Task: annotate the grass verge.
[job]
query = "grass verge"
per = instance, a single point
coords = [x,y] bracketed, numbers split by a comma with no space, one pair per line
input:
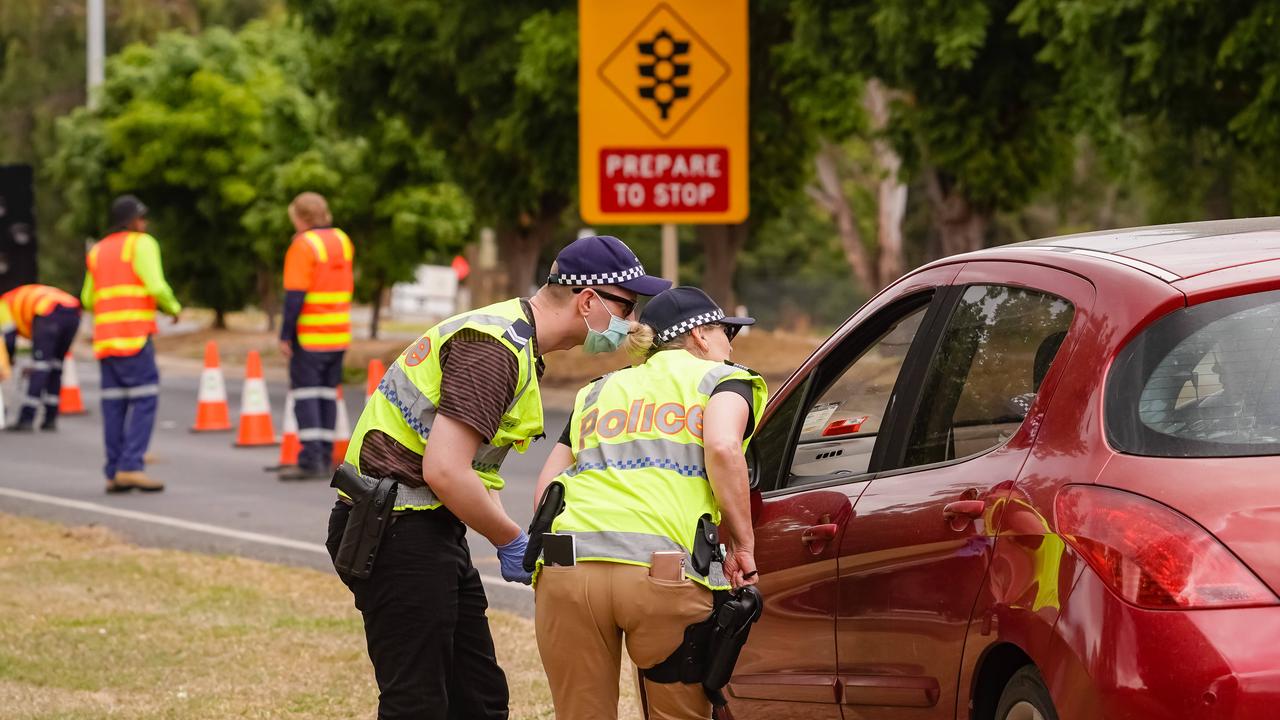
[95,628]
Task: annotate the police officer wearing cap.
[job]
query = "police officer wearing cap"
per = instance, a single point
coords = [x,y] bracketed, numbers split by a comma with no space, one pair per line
[648,452]
[123,288]
[444,417]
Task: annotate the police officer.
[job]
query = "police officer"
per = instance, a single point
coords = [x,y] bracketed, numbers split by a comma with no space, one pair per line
[445,415]
[49,318]
[316,329]
[648,451]
[123,288]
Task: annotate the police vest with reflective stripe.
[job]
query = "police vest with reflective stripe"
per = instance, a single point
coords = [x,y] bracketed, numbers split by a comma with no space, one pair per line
[404,406]
[124,313]
[27,302]
[639,483]
[324,325]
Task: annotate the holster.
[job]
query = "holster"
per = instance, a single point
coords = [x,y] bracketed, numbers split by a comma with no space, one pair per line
[711,647]
[369,518]
[551,505]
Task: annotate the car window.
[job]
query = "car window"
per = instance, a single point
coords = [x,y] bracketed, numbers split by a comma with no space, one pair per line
[1201,382]
[995,351]
[839,429]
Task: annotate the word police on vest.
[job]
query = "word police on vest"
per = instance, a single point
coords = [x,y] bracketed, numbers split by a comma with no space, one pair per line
[667,418]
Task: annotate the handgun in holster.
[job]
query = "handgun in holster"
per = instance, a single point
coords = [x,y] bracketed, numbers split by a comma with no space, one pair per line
[551,505]
[372,501]
[710,648]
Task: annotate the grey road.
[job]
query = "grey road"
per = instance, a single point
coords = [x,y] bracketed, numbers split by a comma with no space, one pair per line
[218,498]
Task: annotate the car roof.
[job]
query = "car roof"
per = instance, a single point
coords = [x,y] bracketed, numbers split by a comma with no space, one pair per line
[1171,252]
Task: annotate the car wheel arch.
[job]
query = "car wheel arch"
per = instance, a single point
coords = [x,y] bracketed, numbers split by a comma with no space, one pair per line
[996,667]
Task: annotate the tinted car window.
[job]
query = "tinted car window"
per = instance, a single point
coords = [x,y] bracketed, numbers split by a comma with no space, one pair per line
[1201,382]
[838,430]
[996,349]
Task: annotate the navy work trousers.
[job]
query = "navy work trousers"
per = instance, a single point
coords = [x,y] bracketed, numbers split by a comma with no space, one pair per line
[314,378]
[424,621]
[130,393]
[51,338]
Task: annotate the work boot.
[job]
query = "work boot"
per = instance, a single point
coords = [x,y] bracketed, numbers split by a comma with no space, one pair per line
[138,479]
[300,472]
[49,426]
[20,427]
[114,487]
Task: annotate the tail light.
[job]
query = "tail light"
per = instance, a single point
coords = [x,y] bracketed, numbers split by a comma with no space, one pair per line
[1151,555]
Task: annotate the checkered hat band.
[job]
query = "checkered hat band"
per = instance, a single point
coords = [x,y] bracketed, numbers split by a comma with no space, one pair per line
[612,278]
[685,326]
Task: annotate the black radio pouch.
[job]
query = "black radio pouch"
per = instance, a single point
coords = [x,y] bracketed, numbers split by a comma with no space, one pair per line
[706,546]
[368,520]
[551,505]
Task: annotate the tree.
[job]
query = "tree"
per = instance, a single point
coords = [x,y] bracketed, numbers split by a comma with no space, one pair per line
[980,119]
[493,81]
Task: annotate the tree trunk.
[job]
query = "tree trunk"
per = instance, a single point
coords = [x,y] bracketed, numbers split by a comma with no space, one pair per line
[377,307]
[270,303]
[829,194]
[891,192]
[720,247]
[520,247]
[219,319]
[961,226]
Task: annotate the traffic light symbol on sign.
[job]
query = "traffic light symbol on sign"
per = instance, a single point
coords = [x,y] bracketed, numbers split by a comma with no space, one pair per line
[664,71]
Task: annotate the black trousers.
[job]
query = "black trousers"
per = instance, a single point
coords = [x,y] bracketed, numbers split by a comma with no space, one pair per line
[424,621]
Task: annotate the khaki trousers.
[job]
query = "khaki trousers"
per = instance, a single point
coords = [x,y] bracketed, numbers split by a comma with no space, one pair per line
[582,614]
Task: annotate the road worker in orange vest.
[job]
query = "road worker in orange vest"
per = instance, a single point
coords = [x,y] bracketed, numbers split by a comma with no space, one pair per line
[316,329]
[124,287]
[49,318]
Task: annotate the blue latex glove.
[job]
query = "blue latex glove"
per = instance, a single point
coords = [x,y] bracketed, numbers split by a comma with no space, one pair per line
[511,557]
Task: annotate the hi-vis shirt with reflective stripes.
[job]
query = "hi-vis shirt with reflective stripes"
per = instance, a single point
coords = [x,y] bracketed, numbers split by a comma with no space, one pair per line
[404,406]
[639,480]
[324,325]
[124,311]
[22,305]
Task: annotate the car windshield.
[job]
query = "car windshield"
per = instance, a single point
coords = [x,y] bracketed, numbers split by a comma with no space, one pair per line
[1201,382]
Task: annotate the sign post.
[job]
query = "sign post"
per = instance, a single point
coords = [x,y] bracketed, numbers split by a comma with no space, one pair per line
[663,111]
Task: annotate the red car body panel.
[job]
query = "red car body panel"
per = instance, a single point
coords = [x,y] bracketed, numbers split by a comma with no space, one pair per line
[924,609]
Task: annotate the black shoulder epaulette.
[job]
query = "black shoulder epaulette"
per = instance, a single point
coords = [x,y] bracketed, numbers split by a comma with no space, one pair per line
[741,367]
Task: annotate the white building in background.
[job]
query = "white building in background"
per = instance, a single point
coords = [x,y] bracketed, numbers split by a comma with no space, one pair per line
[432,294]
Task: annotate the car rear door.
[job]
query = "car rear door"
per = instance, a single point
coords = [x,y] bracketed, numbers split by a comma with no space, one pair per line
[805,492]
[914,556]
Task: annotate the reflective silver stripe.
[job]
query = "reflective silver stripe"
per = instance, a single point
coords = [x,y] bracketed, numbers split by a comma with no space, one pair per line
[713,378]
[415,497]
[594,393]
[452,326]
[131,392]
[41,365]
[315,434]
[638,547]
[688,459]
[307,393]
[416,408]
[489,458]
[528,380]
[50,399]
[30,402]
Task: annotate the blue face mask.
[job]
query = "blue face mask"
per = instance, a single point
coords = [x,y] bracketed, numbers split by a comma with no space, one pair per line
[609,340]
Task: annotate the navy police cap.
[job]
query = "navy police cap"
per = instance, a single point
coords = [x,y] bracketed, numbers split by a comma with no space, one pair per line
[681,309]
[603,260]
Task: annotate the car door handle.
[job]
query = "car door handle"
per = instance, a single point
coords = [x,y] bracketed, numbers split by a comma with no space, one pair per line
[820,533]
[964,508]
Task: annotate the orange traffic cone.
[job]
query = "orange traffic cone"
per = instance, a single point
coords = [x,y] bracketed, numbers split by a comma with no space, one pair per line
[212,413]
[376,371]
[70,402]
[255,407]
[341,431]
[290,446]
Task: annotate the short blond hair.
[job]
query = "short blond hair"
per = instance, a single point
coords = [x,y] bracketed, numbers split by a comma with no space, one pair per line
[311,209]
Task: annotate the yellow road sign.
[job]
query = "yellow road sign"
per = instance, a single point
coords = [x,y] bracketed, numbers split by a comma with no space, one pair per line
[662,98]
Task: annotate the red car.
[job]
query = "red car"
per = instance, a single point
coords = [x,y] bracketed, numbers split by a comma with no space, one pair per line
[1033,482]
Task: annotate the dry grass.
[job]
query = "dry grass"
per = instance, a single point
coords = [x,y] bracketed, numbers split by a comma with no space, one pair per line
[97,628]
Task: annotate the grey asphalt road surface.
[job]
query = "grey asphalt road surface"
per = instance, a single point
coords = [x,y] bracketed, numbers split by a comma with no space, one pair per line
[218,498]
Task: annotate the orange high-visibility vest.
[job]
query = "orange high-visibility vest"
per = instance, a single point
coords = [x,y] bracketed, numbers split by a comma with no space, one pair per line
[324,325]
[27,302]
[124,313]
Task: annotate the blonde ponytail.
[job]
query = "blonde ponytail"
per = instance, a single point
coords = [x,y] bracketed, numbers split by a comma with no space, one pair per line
[639,342]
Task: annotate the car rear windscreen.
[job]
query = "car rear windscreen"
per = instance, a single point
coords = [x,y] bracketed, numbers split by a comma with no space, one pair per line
[1203,381]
